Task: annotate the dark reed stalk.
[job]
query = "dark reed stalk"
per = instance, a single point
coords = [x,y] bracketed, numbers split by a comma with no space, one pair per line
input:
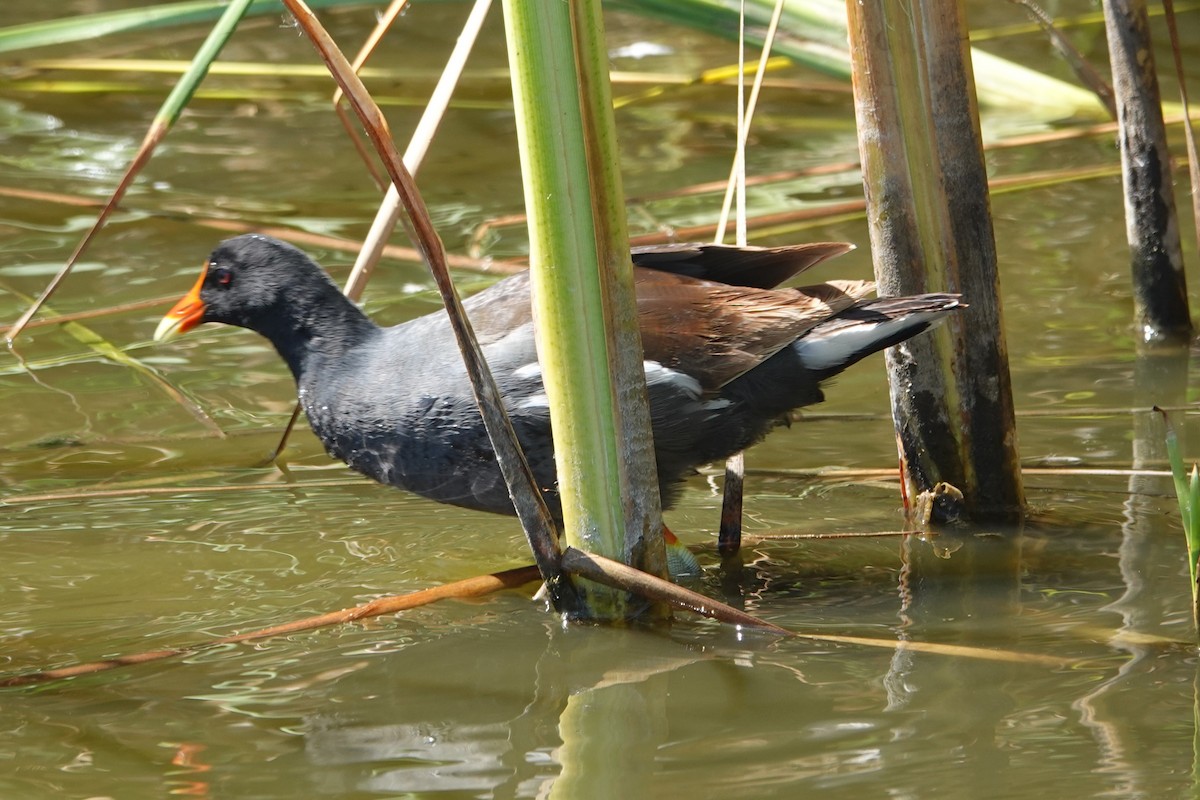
[930,226]
[1151,225]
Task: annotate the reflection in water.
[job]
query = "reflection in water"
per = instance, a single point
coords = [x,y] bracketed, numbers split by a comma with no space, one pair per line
[605,687]
[423,756]
[1150,569]
[492,698]
[962,588]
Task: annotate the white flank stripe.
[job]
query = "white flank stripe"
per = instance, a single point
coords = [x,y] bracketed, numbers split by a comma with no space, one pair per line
[533,370]
[835,349]
[657,373]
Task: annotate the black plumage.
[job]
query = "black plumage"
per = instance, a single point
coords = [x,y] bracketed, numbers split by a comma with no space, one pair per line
[726,358]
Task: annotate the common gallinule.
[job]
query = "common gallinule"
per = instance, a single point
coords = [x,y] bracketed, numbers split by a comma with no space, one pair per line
[726,358]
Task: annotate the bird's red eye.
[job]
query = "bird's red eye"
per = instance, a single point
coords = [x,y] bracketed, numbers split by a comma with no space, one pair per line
[222,276]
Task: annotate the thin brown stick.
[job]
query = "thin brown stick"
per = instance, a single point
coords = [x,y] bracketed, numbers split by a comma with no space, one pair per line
[50,197]
[153,136]
[284,437]
[481,232]
[850,209]
[382,25]
[620,576]
[540,529]
[471,587]
[1061,412]
[820,474]
[1084,71]
[876,474]
[783,536]
[454,260]
[349,246]
[145,491]
[593,567]
[92,313]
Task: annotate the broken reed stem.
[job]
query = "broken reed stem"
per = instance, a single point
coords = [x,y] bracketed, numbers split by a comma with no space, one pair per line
[930,225]
[471,587]
[597,568]
[583,564]
[619,576]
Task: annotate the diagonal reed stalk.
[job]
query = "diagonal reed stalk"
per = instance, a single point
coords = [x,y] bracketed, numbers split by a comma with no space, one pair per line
[382,25]
[418,145]
[1088,75]
[539,527]
[390,209]
[101,346]
[171,108]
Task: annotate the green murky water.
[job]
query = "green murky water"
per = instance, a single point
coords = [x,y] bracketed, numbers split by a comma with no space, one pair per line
[128,526]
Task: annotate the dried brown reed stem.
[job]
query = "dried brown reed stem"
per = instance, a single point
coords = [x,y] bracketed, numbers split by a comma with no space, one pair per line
[471,587]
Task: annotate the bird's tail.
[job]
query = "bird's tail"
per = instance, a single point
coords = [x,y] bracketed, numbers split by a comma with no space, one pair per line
[870,326]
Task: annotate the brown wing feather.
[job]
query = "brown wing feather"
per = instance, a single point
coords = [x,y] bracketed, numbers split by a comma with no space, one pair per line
[715,332]
[760,267]
[712,331]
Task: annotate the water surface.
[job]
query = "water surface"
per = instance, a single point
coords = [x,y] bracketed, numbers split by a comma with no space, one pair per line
[129,527]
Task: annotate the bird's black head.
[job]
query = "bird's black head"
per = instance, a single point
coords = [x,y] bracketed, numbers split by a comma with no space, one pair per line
[249,281]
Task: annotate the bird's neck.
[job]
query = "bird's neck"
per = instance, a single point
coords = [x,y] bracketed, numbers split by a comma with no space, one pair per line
[323,328]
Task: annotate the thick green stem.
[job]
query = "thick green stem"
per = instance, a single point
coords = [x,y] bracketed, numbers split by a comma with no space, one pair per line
[581,278]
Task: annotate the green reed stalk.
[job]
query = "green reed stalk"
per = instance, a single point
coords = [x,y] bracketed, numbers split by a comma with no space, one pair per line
[583,284]
[1187,492]
[167,114]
